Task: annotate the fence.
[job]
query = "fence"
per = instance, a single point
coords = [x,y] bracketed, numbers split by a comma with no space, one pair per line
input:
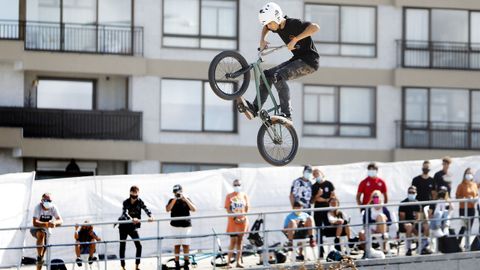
[266,231]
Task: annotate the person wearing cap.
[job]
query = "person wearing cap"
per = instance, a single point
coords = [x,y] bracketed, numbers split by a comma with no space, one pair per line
[85,239]
[409,216]
[237,203]
[443,178]
[301,189]
[370,184]
[181,206]
[45,217]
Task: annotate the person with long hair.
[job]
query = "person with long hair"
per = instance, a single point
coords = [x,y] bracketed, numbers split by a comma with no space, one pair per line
[467,189]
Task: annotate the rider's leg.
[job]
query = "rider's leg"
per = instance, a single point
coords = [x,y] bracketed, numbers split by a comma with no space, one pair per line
[263,88]
[290,71]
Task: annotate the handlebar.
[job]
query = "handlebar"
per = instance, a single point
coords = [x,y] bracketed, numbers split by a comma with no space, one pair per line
[269,50]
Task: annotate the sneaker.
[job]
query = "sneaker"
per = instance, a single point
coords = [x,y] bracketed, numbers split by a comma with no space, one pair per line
[426,251]
[91,259]
[185,265]
[284,115]
[289,245]
[300,258]
[437,233]
[446,231]
[243,106]
[352,241]
[79,262]
[409,252]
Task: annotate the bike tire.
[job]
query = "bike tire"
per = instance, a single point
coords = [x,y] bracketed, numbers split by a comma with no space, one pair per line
[267,155]
[221,260]
[218,68]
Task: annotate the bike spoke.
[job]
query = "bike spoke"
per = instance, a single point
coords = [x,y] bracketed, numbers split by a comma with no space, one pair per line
[275,150]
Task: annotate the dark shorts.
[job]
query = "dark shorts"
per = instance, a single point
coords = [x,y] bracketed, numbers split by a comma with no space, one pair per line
[34,231]
[85,249]
[332,231]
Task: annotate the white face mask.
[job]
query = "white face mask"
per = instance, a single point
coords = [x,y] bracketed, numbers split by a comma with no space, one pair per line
[319,179]
[307,175]
[412,197]
[372,173]
[469,176]
[236,189]
[47,205]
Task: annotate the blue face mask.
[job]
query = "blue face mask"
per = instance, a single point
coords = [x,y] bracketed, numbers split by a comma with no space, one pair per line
[307,175]
[236,189]
[47,205]
[412,197]
[319,179]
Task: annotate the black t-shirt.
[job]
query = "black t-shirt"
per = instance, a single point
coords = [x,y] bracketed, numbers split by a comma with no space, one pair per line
[409,210]
[439,182]
[180,209]
[307,51]
[327,188]
[424,188]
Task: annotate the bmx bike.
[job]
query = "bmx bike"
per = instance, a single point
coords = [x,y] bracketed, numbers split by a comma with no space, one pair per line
[277,139]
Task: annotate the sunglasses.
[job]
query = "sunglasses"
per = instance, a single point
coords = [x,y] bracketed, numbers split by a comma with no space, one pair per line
[47,200]
[410,192]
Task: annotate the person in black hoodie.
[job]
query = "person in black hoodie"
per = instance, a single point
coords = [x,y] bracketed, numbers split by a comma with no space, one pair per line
[132,210]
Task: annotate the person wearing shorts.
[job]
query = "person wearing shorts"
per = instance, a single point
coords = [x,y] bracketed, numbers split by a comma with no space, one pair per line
[85,239]
[236,202]
[181,206]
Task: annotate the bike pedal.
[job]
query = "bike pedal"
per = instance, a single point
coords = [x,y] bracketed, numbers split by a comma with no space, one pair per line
[241,108]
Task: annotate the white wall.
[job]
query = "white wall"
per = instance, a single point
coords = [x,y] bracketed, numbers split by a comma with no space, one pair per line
[9,164]
[11,86]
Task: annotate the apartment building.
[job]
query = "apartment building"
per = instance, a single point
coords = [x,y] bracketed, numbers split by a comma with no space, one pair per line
[120,86]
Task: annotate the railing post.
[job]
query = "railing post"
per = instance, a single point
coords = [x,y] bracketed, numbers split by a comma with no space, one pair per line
[368,243]
[159,253]
[420,236]
[214,251]
[105,255]
[265,242]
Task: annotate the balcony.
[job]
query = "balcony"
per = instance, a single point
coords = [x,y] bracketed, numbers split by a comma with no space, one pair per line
[73,124]
[438,135]
[438,55]
[75,38]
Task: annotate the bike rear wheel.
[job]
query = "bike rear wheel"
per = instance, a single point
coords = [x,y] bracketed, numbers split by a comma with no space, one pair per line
[219,75]
[277,143]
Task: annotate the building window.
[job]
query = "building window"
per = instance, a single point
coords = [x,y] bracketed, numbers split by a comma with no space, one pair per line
[9,13]
[339,111]
[66,94]
[191,105]
[193,167]
[206,24]
[346,30]
[441,38]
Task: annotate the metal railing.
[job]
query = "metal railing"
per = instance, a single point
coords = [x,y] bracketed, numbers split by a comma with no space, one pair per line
[72,37]
[160,238]
[438,135]
[73,124]
[438,55]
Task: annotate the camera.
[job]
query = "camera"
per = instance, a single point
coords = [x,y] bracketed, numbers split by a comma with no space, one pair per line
[178,195]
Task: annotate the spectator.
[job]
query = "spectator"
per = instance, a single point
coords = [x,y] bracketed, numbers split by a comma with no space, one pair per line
[378,215]
[237,202]
[424,184]
[409,216]
[132,210]
[467,189]
[301,190]
[443,178]
[294,223]
[440,222]
[45,216]
[85,242]
[370,184]
[322,191]
[338,224]
[181,206]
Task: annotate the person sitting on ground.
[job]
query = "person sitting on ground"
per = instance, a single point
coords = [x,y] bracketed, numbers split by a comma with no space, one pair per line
[409,217]
[337,225]
[378,215]
[294,223]
[85,242]
[440,221]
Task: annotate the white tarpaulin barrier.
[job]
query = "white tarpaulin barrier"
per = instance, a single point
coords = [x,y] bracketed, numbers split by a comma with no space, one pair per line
[99,199]
[16,192]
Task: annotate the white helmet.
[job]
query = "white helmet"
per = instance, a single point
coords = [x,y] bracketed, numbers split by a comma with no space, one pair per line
[271,12]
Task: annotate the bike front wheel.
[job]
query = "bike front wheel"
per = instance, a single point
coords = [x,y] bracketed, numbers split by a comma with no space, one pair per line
[277,143]
[229,75]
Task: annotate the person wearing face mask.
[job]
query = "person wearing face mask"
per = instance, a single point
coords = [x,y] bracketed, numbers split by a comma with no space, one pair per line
[440,221]
[443,178]
[322,191]
[301,189]
[369,184]
[85,242]
[338,224]
[409,216]
[298,219]
[45,217]
[132,210]
[467,189]
[181,206]
[237,203]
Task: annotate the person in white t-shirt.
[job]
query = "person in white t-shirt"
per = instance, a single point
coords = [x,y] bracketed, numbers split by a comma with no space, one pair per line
[45,217]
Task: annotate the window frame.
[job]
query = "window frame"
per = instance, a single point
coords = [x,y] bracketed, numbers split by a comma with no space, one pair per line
[200,36]
[337,124]
[340,43]
[69,79]
[226,165]
[203,82]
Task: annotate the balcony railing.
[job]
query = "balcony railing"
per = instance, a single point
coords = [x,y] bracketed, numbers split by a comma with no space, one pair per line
[73,124]
[438,55]
[438,135]
[79,38]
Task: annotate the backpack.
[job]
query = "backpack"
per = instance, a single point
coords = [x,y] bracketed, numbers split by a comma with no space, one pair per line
[334,256]
[57,264]
[254,237]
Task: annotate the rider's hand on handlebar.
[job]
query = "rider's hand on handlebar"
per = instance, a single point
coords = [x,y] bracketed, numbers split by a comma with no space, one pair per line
[263,44]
